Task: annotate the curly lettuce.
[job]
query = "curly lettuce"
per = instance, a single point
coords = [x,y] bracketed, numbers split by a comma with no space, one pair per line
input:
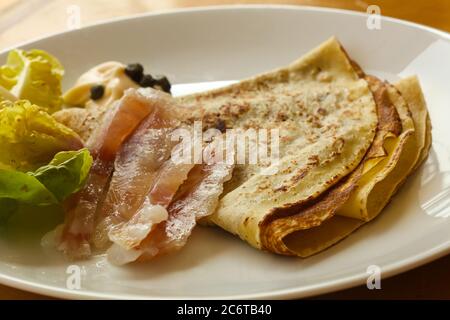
[30,137]
[48,185]
[34,75]
[6,95]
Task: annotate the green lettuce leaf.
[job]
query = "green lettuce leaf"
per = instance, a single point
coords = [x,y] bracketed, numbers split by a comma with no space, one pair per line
[23,187]
[48,185]
[30,137]
[66,173]
[33,75]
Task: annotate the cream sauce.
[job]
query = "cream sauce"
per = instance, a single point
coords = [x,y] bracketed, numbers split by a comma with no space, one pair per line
[109,74]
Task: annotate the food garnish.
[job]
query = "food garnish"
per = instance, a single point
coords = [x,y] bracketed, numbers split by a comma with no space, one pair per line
[97,91]
[34,75]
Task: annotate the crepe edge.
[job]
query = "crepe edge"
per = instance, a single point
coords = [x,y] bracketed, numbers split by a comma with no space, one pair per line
[304,243]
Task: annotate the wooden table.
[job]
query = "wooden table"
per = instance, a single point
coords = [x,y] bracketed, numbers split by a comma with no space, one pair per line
[23,20]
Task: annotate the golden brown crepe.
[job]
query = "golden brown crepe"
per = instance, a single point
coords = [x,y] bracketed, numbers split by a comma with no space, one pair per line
[306,220]
[411,91]
[379,185]
[327,120]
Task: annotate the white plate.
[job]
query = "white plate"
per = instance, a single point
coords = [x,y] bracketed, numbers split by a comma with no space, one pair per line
[230,43]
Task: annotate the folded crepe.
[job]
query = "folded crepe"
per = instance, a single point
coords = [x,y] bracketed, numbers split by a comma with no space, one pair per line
[347,142]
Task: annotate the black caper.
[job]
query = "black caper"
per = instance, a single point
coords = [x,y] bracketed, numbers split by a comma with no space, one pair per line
[97,91]
[163,83]
[135,71]
[220,125]
[147,81]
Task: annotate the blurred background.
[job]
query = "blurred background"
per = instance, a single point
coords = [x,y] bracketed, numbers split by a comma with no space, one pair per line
[23,20]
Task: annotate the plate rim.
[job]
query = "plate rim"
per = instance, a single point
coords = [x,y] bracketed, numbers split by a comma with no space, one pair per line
[225,7]
[329,286]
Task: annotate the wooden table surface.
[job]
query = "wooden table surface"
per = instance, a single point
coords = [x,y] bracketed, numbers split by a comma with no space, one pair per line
[22,20]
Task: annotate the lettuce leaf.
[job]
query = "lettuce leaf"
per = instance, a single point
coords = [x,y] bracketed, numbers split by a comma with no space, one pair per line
[48,185]
[66,173]
[23,187]
[30,137]
[6,95]
[34,75]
